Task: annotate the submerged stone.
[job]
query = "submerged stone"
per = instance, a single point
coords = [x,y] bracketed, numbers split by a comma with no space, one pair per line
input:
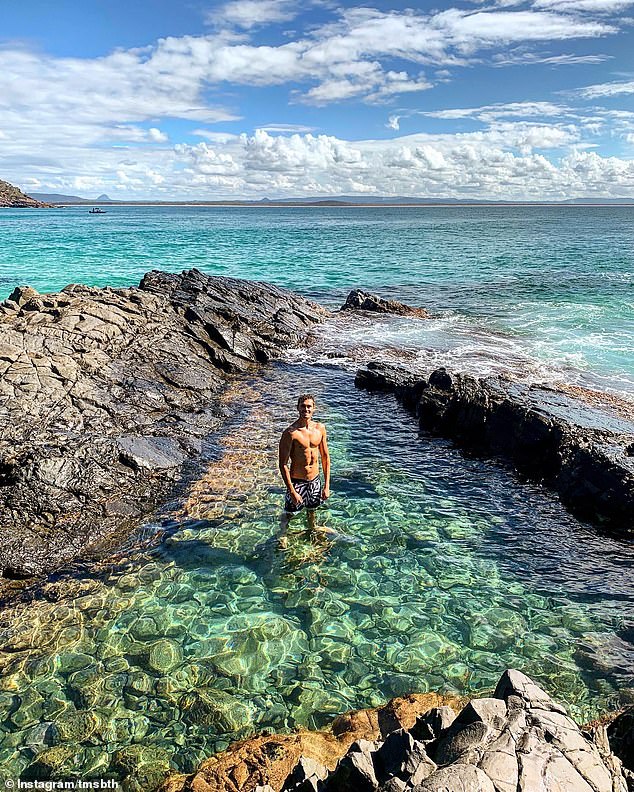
[164,655]
[55,763]
[215,708]
[74,726]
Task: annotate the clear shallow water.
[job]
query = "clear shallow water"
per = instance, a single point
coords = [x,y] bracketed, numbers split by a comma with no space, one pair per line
[443,572]
[542,291]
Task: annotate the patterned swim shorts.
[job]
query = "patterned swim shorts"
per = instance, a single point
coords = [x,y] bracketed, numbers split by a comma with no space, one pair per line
[310,492]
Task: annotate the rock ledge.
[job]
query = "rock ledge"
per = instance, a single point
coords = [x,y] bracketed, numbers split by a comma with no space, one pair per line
[582,452]
[519,740]
[106,393]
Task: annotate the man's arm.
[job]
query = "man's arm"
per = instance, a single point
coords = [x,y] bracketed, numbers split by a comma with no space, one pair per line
[286,442]
[325,461]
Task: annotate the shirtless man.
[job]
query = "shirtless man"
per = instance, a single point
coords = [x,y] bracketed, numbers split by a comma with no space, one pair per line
[303,443]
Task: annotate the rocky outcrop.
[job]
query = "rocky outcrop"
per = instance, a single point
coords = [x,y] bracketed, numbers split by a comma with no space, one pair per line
[584,452]
[106,393]
[275,759]
[359,300]
[13,198]
[519,740]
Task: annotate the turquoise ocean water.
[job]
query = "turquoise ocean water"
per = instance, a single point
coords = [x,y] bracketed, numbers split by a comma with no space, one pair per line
[443,570]
[546,290]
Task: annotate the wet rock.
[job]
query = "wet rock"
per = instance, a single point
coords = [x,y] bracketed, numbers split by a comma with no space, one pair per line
[215,708]
[164,655]
[152,453]
[57,763]
[358,300]
[131,760]
[117,388]
[74,726]
[573,446]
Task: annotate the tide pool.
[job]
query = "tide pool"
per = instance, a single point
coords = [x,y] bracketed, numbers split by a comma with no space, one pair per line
[216,623]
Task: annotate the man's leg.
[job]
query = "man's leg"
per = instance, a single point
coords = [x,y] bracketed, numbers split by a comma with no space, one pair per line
[282,538]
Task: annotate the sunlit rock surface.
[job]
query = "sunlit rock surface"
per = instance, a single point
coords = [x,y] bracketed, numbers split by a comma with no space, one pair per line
[520,740]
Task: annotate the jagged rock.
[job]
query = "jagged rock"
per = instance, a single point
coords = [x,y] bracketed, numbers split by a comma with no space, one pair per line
[400,755]
[271,759]
[354,771]
[480,722]
[459,778]
[579,448]
[359,300]
[402,712]
[518,741]
[398,713]
[117,388]
[431,725]
[306,776]
[394,785]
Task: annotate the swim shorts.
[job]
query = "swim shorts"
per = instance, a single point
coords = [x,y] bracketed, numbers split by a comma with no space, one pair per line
[310,492]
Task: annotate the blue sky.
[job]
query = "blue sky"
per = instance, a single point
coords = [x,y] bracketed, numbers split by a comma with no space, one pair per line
[272,98]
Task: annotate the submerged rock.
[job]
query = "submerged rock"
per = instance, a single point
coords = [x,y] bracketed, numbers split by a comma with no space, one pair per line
[517,741]
[221,711]
[106,393]
[580,450]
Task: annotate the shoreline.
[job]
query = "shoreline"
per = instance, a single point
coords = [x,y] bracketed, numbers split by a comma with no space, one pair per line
[196,551]
[338,205]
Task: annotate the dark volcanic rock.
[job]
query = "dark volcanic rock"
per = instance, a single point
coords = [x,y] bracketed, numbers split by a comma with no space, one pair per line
[579,450]
[621,737]
[359,300]
[105,393]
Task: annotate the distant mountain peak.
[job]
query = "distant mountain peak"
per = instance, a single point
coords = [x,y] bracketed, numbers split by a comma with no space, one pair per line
[103,197]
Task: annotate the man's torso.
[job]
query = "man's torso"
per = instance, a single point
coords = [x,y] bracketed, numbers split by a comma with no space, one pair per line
[304,454]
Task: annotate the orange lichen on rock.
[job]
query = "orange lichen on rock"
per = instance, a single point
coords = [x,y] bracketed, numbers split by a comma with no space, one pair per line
[270,759]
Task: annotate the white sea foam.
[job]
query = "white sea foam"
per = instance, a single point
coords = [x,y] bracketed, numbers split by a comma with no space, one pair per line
[465,345]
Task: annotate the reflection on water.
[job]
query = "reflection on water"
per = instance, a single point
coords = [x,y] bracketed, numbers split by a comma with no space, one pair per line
[427,571]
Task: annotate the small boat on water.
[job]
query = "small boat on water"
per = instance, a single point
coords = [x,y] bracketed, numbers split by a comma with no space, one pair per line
[97,210]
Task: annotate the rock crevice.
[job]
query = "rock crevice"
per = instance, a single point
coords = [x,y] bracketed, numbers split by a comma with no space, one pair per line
[575,448]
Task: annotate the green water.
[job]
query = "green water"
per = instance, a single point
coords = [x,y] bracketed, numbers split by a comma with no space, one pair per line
[216,623]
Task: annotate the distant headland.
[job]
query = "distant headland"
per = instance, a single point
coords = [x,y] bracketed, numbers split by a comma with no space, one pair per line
[13,197]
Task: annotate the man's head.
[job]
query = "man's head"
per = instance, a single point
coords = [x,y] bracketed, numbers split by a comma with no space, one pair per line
[306,405]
